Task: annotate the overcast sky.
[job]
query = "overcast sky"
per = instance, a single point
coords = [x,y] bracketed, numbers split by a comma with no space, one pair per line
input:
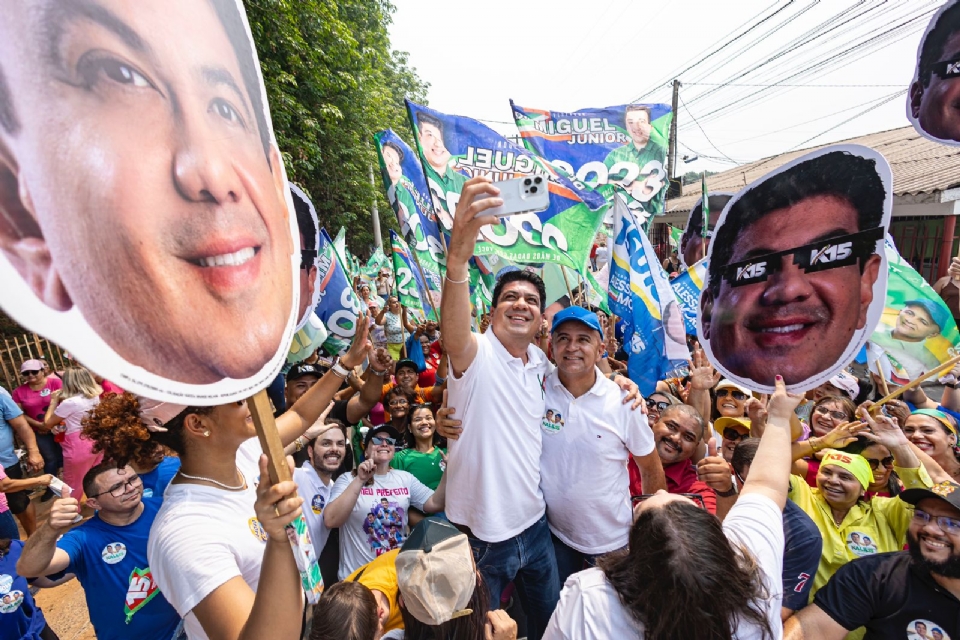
[565,54]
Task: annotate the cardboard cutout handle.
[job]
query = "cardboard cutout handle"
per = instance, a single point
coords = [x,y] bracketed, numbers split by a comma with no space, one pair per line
[266,426]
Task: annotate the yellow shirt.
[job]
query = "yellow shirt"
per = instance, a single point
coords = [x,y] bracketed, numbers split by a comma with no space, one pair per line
[871,527]
[381,575]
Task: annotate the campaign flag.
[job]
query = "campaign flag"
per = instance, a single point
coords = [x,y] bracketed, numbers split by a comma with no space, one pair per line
[916,331]
[409,284]
[687,287]
[376,262]
[624,144]
[675,234]
[340,244]
[705,200]
[640,293]
[410,198]
[453,149]
[338,305]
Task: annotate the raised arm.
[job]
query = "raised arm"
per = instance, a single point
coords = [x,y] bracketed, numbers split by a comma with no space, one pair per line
[885,431]
[770,471]
[703,377]
[40,555]
[459,341]
[370,393]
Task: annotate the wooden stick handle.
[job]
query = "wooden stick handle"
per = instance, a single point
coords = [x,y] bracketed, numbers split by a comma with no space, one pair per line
[262,413]
[949,364]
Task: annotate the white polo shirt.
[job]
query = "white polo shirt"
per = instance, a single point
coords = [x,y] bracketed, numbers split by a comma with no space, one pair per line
[587,442]
[316,496]
[493,472]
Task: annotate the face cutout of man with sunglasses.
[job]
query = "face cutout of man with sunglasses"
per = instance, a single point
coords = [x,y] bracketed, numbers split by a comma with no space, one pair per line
[933,102]
[797,278]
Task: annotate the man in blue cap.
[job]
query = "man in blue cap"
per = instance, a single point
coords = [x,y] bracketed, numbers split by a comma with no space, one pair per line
[584,456]
[918,321]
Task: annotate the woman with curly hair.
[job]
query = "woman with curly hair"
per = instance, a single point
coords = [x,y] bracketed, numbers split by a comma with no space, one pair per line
[126,444]
[78,396]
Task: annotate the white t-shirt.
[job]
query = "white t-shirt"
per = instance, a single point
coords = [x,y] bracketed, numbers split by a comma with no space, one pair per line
[73,409]
[378,521]
[590,608]
[316,495]
[204,536]
[493,473]
[587,442]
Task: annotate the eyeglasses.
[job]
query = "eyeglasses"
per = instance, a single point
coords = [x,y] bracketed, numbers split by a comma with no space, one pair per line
[822,255]
[29,373]
[307,258]
[732,434]
[382,440]
[737,395]
[696,497]
[875,462]
[947,69]
[947,525]
[659,405]
[836,415]
[398,402]
[120,488]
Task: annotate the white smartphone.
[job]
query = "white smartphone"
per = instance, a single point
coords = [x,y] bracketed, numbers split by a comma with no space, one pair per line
[520,195]
[57,485]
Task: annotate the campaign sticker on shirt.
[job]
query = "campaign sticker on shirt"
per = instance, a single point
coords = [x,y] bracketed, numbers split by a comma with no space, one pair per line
[10,602]
[552,421]
[257,529]
[44,393]
[148,493]
[317,503]
[925,630]
[140,591]
[114,552]
[861,544]
[6,582]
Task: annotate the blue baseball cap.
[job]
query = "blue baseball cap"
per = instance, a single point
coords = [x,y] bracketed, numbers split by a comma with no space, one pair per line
[579,314]
[937,313]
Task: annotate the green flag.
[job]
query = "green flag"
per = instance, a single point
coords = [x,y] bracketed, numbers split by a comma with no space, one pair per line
[408,283]
[675,234]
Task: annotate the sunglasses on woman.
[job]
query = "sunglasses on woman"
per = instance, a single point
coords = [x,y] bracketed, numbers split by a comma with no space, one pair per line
[29,373]
[732,434]
[876,462]
[382,440]
[659,405]
[737,395]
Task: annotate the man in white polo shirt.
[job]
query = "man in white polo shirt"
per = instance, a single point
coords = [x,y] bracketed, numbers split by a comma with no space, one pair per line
[583,465]
[496,384]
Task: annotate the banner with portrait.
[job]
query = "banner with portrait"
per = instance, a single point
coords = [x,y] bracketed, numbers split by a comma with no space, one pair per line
[148,227]
[453,149]
[338,305]
[797,273]
[409,286]
[624,144]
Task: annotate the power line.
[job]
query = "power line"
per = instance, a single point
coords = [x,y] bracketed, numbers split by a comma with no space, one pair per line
[704,132]
[882,102]
[730,84]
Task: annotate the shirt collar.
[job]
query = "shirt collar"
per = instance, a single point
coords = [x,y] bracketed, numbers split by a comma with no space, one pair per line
[536,358]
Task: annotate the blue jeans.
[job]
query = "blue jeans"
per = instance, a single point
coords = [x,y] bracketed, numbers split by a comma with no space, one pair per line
[8,526]
[570,561]
[527,560]
[50,451]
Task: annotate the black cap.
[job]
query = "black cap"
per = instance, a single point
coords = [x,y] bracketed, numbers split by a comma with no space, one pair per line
[428,532]
[407,362]
[380,428]
[949,492]
[304,369]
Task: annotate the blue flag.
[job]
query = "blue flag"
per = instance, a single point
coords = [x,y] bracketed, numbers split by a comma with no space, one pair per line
[640,293]
[338,305]
[687,287]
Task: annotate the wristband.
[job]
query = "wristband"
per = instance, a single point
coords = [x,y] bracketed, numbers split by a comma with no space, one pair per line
[379,374]
[298,444]
[815,444]
[726,494]
[952,385]
[440,379]
[464,281]
[339,370]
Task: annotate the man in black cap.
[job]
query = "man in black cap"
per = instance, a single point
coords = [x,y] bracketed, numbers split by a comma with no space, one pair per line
[888,592]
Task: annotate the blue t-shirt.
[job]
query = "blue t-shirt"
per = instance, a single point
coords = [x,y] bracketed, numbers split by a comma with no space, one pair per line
[155,482]
[8,411]
[111,563]
[19,615]
[802,545]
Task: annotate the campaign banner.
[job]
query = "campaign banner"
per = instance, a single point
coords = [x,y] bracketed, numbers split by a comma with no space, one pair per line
[376,262]
[687,287]
[624,144]
[916,331]
[409,196]
[409,285]
[640,294]
[174,275]
[453,149]
[338,305]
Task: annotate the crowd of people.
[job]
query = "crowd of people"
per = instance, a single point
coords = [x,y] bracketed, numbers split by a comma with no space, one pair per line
[487,478]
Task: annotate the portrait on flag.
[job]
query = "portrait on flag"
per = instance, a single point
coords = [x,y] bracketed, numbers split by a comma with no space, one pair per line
[309,228]
[147,222]
[935,90]
[796,278]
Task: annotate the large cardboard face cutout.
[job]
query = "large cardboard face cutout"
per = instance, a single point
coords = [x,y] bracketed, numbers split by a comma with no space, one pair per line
[144,217]
[309,230]
[796,273]
[933,102]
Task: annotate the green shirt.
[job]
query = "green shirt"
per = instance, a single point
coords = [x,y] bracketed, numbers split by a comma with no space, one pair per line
[425,467]
[450,182]
[629,153]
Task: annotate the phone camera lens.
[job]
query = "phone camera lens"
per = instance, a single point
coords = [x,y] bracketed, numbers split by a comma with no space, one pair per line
[527,182]
[533,189]
[538,180]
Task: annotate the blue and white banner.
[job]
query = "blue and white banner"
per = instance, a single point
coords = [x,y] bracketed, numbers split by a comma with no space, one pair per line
[338,305]
[640,293]
[687,287]
[624,144]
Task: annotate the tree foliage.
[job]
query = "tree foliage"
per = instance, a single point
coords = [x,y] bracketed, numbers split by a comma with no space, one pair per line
[333,80]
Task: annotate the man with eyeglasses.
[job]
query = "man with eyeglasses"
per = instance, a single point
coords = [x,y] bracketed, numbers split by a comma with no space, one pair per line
[122,597]
[792,271]
[887,592]
[935,92]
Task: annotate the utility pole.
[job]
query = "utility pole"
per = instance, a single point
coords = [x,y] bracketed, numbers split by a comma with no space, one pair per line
[376,214]
[674,189]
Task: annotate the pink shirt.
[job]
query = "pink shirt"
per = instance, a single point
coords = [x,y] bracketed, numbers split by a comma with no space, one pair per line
[72,410]
[35,403]
[3,497]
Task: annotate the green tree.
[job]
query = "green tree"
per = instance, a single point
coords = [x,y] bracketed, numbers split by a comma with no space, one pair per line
[332,81]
